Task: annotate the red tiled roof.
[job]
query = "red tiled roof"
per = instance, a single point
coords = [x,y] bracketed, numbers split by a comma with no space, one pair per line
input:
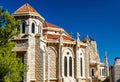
[46,24]
[67,38]
[26,8]
[51,36]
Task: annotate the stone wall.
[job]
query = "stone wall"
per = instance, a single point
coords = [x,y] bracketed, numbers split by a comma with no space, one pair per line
[31,59]
[117,70]
[37,59]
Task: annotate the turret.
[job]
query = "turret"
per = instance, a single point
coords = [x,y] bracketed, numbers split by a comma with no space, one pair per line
[106,64]
[105,59]
[31,20]
[31,33]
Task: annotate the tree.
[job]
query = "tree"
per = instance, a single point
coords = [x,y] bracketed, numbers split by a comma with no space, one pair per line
[11,67]
[8,26]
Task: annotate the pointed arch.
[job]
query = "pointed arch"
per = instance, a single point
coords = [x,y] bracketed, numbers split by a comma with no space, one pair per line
[81,66]
[70,50]
[23,26]
[51,51]
[68,62]
[65,66]
[33,28]
[81,62]
[70,66]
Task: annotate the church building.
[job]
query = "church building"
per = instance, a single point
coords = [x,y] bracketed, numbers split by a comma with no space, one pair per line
[52,55]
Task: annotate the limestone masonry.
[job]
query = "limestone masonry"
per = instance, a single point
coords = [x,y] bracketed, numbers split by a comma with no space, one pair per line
[52,55]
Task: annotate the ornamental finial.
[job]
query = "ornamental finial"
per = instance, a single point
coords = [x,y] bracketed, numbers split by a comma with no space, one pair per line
[78,35]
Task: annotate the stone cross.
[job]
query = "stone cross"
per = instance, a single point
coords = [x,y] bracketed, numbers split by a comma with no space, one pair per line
[71,33]
[78,35]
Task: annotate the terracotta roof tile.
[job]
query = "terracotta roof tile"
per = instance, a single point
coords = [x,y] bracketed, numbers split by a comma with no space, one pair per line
[46,24]
[67,38]
[26,8]
[51,36]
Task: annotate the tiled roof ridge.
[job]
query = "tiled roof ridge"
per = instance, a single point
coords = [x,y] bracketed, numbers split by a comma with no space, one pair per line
[48,24]
[26,8]
[54,36]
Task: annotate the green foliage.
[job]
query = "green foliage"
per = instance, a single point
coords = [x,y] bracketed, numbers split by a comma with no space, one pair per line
[8,26]
[11,67]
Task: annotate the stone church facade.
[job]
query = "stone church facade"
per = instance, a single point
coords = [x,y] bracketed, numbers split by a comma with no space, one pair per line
[52,55]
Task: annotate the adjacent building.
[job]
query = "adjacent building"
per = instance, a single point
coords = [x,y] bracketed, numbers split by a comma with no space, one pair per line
[111,73]
[116,70]
[52,55]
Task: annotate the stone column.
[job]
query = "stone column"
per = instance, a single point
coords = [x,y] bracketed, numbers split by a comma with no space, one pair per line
[42,62]
[76,57]
[76,63]
[60,64]
[30,60]
[60,59]
[48,80]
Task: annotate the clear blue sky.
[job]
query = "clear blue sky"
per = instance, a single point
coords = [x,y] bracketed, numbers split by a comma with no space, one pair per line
[100,19]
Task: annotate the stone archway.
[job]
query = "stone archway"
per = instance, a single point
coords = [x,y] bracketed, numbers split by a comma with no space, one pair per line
[51,63]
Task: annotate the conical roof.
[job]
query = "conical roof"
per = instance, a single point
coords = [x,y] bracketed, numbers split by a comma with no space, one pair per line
[26,8]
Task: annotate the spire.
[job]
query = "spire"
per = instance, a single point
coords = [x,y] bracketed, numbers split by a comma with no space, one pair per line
[105,58]
[105,54]
[106,64]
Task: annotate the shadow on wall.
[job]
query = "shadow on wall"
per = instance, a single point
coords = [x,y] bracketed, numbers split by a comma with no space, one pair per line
[107,79]
[118,80]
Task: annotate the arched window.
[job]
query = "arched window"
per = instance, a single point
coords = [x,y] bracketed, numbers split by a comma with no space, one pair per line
[33,28]
[70,66]
[92,72]
[81,67]
[68,62]
[65,66]
[23,27]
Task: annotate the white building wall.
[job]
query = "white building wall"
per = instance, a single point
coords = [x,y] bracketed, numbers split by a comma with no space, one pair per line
[29,21]
[68,78]
[116,70]
[30,75]
[31,59]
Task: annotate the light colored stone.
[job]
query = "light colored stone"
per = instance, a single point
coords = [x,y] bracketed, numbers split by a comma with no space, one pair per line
[47,49]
